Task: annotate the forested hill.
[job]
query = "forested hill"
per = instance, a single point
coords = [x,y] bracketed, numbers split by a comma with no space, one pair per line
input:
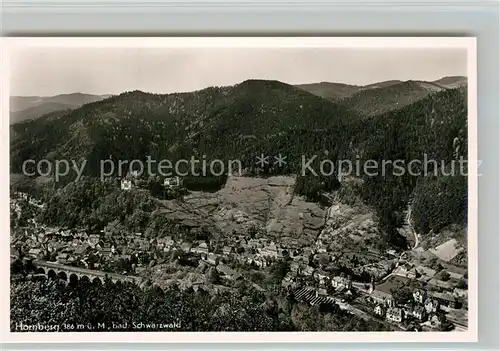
[377,98]
[434,128]
[330,91]
[270,117]
[230,122]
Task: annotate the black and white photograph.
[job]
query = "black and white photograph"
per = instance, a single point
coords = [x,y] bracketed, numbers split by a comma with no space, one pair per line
[282,185]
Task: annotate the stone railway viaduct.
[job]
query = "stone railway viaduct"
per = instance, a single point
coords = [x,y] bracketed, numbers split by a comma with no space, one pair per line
[69,273]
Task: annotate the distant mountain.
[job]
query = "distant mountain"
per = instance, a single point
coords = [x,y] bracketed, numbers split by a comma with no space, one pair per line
[340,91]
[452,82]
[39,110]
[30,107]
[20,103]
[383,84]
[377,98]
[231,122]
[380,98]
[238,121]
[330,91]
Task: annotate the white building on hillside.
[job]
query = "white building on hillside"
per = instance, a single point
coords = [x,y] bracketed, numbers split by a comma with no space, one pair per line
[172,182]
[126,184]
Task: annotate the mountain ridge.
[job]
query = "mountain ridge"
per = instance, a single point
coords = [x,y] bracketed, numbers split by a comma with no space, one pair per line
[31,107]
[212,112]
[268,117]
[376,98]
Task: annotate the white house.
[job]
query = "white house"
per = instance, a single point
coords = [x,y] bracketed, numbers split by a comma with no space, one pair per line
[295,267]
[419,296]
[435,320]
[321,276]
[445,299]
[227,250]
[381,297]
[186,247]
[379,310]
[201,249]
[172,182]
[213,259]
[260,262]
[341,282]
[270,251]
[394,314]
[320,246]
[431,305]
[419,313]
[126,184]
[35,253]
[93,240]
[228,272]
[165,244]
[308,271]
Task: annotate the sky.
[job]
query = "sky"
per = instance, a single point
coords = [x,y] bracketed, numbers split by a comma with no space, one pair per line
[51,71]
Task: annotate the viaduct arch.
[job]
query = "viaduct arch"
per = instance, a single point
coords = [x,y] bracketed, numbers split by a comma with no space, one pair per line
[70,273]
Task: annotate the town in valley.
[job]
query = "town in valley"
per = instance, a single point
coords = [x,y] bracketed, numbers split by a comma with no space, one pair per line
[268,248]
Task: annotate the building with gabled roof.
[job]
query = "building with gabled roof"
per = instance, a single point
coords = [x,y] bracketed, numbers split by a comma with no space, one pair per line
[445,299]
[379,310]
[431,305]
[201,249]
[186,247]
[394,314]
[419,313]
[419,296]
[227,250]
[228,272]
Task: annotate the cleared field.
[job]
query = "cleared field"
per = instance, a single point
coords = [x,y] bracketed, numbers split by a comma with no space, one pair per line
[448,250]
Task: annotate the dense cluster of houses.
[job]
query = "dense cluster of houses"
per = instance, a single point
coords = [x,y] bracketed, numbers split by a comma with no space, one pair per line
[94,250]
[423,308]
[429,303]
[79,248]
[257,252]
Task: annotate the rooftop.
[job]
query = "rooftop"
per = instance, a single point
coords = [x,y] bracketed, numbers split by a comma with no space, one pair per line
[393,282]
